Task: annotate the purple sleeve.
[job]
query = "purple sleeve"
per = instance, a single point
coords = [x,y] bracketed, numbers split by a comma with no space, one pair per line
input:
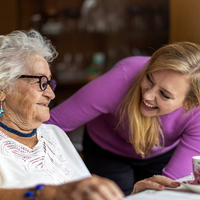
[180,164]
[102,95]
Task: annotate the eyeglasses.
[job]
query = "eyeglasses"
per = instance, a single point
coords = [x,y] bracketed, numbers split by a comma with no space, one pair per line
[43,81]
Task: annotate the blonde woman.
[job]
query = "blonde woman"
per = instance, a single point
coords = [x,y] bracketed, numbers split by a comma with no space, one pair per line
[142,117]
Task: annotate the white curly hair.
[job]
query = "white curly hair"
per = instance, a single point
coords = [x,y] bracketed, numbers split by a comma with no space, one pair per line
[15,48]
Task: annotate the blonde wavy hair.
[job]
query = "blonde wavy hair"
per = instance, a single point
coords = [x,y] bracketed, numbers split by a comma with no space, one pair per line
[181,57]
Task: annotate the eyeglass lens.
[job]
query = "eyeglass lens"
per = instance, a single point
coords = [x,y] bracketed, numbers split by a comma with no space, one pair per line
[53,84]
[44,83]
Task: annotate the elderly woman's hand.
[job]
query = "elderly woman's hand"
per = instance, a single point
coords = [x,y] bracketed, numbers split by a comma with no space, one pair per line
[156,182]
[95,188]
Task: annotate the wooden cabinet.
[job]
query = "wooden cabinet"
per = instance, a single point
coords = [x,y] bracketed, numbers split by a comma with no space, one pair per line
[184,20]
[9,16]
[92,35]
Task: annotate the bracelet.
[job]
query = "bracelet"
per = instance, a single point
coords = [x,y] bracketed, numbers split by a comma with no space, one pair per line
[33,192]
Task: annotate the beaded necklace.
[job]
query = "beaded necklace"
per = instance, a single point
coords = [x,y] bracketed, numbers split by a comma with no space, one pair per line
[17,132]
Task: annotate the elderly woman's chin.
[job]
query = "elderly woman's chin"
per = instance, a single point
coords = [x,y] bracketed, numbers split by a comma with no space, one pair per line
[46,117]
[43,116]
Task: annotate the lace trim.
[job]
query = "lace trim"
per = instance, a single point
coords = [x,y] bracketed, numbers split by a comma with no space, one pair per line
[44,157]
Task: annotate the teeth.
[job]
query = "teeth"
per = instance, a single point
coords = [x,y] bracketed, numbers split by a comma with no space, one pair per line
[148,105]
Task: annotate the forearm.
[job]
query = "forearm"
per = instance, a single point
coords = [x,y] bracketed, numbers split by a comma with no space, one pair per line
[179,167]
[47,193]
[12,194]
[89,188]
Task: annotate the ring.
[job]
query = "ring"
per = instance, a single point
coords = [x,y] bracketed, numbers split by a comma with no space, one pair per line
[88,191]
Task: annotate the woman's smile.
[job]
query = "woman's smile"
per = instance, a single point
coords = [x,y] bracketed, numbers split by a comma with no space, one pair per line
[43,104]
[163,92]
[149,106]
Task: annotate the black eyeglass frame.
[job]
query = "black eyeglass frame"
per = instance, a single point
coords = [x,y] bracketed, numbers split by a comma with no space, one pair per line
[49,82]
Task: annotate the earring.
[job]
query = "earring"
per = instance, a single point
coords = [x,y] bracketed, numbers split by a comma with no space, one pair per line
[1,110]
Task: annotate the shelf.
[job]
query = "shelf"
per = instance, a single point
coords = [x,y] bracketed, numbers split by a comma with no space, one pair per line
[144,29]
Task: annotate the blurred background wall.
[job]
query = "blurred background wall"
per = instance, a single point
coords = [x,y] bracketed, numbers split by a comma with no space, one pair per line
[185,20]
[90,35]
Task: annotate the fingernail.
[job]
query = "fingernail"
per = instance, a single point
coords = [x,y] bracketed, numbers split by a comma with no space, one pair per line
[161,186]
[175,183]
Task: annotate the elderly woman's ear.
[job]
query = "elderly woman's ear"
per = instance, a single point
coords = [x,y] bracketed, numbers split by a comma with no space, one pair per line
[2,95]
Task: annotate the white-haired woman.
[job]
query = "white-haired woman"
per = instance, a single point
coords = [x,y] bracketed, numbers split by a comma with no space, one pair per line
[32,153]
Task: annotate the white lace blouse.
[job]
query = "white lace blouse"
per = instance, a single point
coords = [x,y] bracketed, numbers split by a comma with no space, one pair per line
[53,160]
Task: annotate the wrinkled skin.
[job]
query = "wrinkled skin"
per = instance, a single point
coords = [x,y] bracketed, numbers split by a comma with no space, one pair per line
[100,189]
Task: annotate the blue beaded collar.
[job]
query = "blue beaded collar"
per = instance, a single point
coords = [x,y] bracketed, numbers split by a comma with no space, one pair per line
[17,132]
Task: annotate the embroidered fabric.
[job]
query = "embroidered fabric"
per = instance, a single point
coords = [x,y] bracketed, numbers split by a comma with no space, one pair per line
[45,156]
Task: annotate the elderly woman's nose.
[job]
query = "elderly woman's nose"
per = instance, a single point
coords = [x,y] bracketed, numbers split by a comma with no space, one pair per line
[49,92]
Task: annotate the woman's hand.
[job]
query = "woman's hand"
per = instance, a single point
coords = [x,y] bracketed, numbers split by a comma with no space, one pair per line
[95,188]
[156,182]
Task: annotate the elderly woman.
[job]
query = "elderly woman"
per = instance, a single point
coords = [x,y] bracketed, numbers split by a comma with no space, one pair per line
[31,152]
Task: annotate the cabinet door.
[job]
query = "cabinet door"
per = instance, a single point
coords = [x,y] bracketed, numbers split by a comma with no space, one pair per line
[9,19]
[184,20]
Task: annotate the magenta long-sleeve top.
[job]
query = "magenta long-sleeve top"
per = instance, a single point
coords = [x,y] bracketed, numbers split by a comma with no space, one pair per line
[95,105]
